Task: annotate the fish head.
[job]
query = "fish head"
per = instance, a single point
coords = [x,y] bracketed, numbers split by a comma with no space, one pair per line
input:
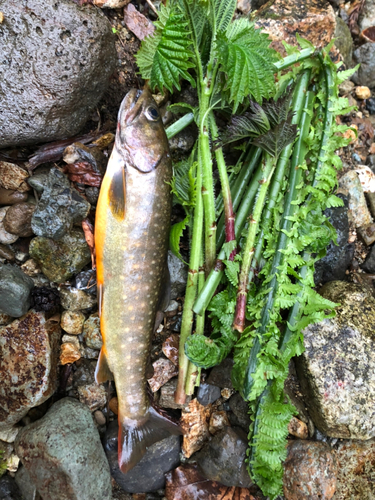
[141,138]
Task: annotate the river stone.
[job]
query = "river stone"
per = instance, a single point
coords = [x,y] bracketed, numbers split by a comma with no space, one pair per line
[10,197]
[6,253]
[72,322]
[28,365]
[13,177]
[178,274]
[63,454]
[148,473]
[38,181]
[25,484]
[358,211]
[18,219]
[208,393]
[222,459]
[91,332]
[365,56]
[9,489]
[76,300]
[337,369]
[344,41]
[60,260]
[338,258]
[15,290]
[59,207]
[367,15]
[5,237]
[62,55]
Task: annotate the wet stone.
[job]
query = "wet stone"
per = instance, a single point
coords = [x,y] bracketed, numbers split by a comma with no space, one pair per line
[369,264]
[72,322]
[27,383]
[337,369]
[309,471]
[91,332]
[239,412]
[59,207]
[208,393]
[18,219]
[148,474]
[6,253]
[38,181]
[76,300]
[84,375]
[178,274]
[221,374]
[218,420]
[298,428]
[9,489]
[222,459]
[63,454]
[365,56]
[86,281]
[370,105]
[6,238]
[93,396]
[10,197]
[167,393]
[367,234]
[63,55]
[15,290]
[60,260]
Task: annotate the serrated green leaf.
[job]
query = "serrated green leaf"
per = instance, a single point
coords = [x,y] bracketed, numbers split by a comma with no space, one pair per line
[175,236]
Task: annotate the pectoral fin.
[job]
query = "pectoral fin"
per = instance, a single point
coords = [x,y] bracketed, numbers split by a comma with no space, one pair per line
[102,372]
[117,193]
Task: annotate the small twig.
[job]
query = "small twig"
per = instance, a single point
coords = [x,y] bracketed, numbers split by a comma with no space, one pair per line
[153,7]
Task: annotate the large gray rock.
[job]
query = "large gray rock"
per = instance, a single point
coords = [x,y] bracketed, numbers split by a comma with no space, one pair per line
[178,274]
[59,207]
[367,15]
[15,290]
[64,456]
[57,59]
[28,365]
[337,369]
[365,55]
[9,489]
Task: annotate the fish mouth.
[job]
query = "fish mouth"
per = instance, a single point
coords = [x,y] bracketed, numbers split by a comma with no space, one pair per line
[132,106]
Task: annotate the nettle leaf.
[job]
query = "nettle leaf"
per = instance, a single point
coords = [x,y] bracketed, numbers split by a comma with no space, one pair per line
[247,62]
[223,12]
[175,236]
[196,14]
[165,56]
[183,184]
[275,140]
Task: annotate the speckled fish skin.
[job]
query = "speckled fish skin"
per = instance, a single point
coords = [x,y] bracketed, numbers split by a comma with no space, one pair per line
[131,239]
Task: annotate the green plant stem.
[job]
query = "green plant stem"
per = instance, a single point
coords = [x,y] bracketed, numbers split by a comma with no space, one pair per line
[294,58]
[191,289]
[268,167]
[289,209]
[179,125]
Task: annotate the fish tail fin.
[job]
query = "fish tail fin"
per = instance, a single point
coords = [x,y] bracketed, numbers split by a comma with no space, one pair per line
[135,436]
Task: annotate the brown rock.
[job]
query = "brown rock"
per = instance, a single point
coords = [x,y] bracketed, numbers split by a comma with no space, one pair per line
[298,428]
[5,237]
[218,420]
[18,219]
[309,471]
[137,22]
[312,19]
[69,353]
[93,395]
[194,424]
[367,233]
[100,417]
[28,365]
[13,177]
[9,197]
[5,319]
[113,405]
[363,92]
[170,348]
[164,370]
[72,322]
[6,253]
[111,4]
[31,268]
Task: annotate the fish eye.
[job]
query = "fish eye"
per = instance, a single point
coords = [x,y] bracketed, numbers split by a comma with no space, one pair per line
[152,113]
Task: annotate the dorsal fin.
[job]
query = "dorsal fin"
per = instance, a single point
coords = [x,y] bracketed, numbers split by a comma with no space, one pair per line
[117,193]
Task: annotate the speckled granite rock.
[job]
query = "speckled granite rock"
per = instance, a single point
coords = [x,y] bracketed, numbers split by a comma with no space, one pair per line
[62,55]
[337,369]
[63,454]
[28,365]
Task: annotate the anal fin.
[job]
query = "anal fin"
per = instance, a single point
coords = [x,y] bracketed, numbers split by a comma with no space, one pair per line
[102,372]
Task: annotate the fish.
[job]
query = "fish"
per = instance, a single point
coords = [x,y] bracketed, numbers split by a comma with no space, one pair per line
[131,239]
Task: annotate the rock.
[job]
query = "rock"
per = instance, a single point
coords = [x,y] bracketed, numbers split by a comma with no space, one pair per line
[9,489]
[309,471]
[346,87]
[84,375]
[207,394]
[17,219]
[86,281]
[5,319]
[344,41]
[337,369]
[355,461]
[369,264]
[92,195]
[362,92]
[91,332]
[170,348]
[110,4]
[76,300]
[6,253]
[367,178]
[222,459]
[167,392]
[63,454]
[218,420]
[89,353]
[28,365]
[365,56]
[240,412]
[221,374]
[370,105]
[70,338]
[69,353]
[31,268]
[60,260]
[358,210]
[9,197]
[13,177]
[172,309]
[178,273]
[183,141]
[298,428]
[24,483]
[46,299]
[137,23]
[164,370]
[72,322]
[148,474]
[367,15]
[59,207]
[314,20]
[15,290]
[367,234]
[94,396]
[62,57]
[195,427]
[113,405]
[100,418]
[5,237]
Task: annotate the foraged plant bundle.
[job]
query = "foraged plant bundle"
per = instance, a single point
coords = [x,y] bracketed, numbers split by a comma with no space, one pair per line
[252,250]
